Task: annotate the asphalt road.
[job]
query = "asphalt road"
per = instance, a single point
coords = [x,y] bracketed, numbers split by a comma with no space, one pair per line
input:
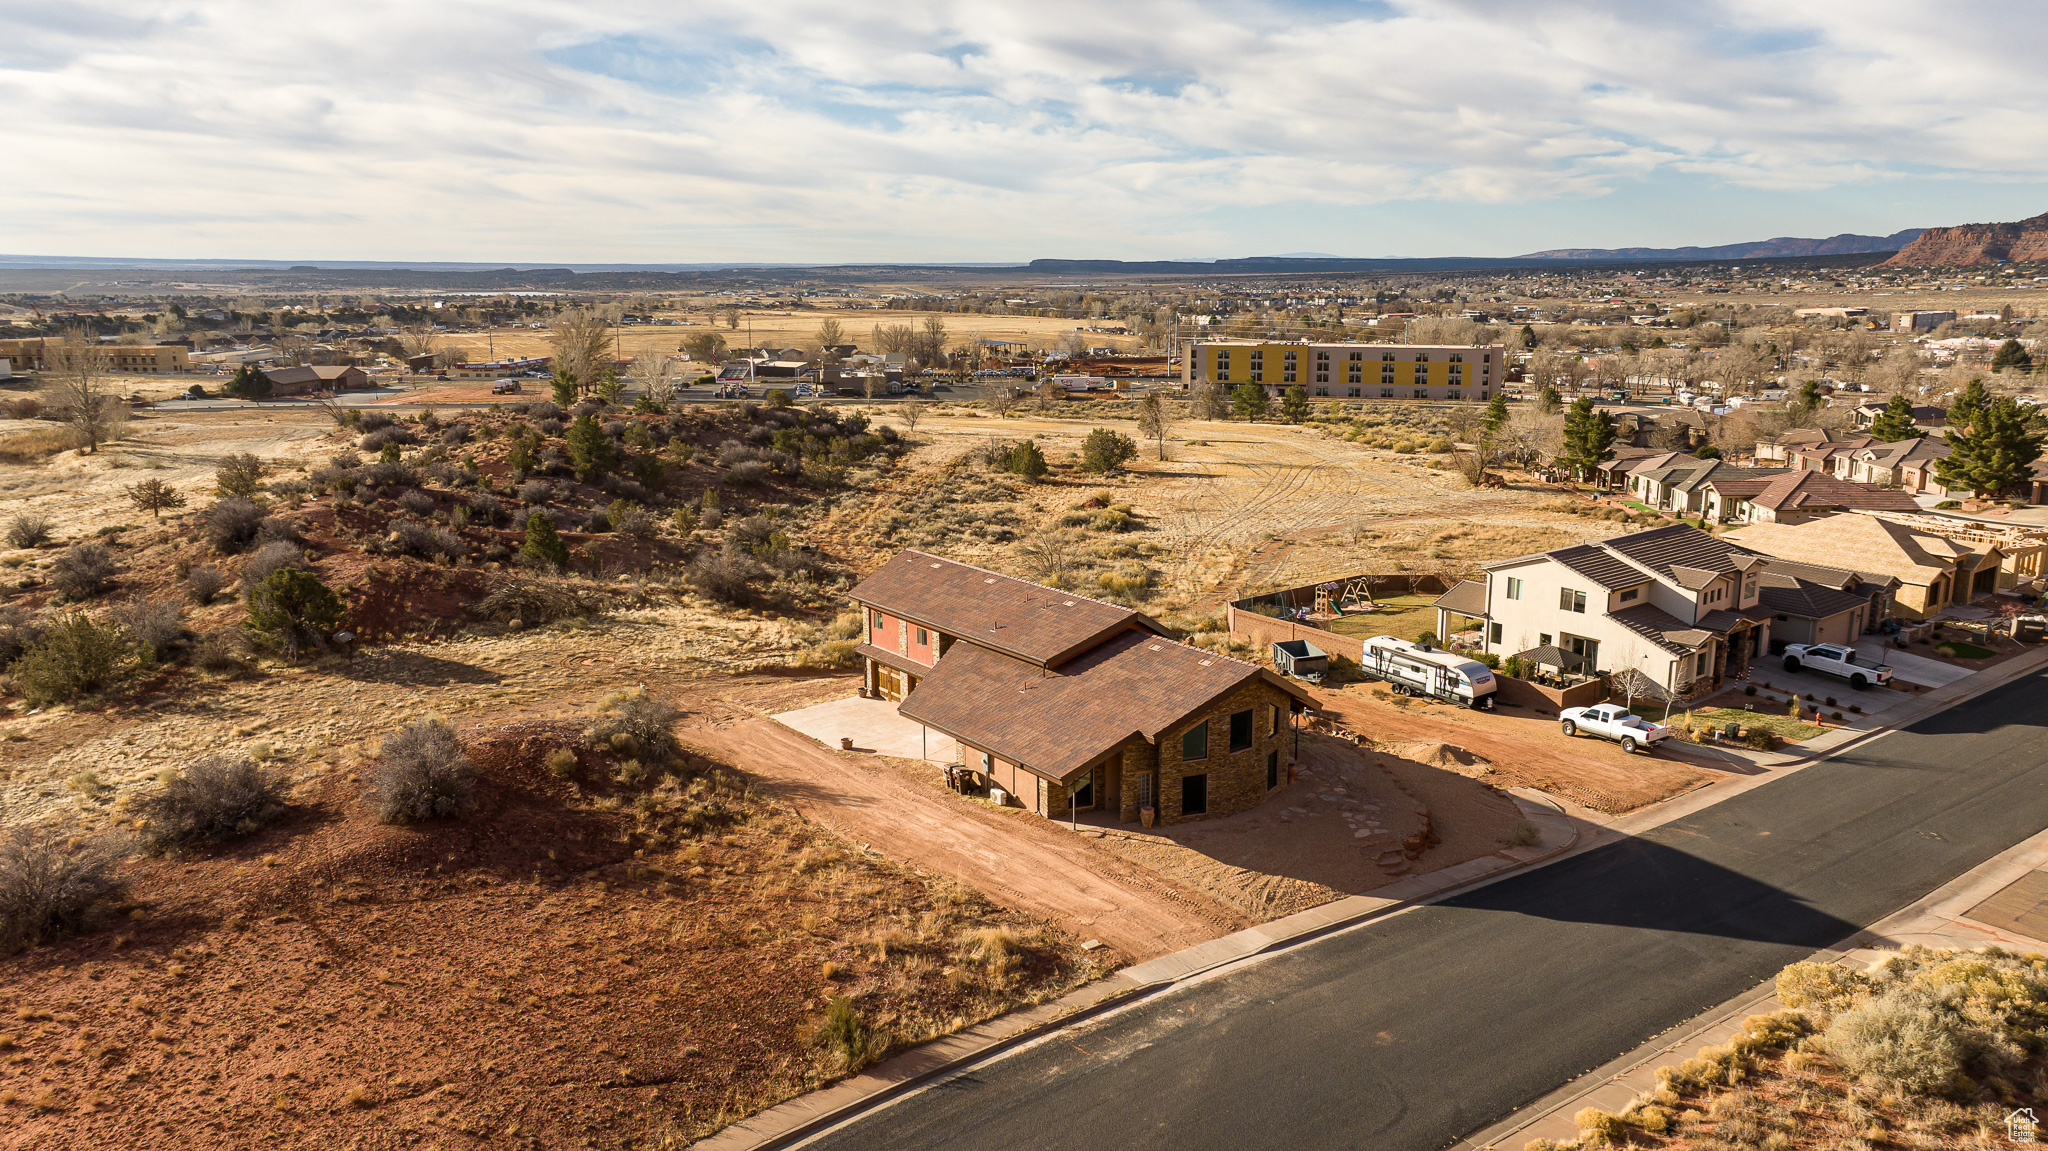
[1416,1031]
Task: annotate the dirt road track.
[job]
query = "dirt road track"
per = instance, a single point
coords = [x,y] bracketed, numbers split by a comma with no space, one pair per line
[1018,860]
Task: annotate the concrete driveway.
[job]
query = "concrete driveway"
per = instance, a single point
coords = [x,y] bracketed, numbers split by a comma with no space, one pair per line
[1913,668]
[874,727]
[1873,701]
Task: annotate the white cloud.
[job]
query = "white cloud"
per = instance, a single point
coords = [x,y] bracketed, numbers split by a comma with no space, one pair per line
[798,129]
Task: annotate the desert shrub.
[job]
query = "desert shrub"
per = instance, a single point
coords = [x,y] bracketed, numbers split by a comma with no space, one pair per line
[423,774]
[395,436]
[270,557]
[240,474]
[1821,989]
[537,601]
[417,502]
[455,434]
[230,525]
[76,656]
[28,530]
[636,726]
[215,799]
[543,543]
[18,633]
[598,522]
[635,523]
[50,887]
[223,652]
[291,611]
[408,538]
[83,571]
[1899,1040]
[549,427]
[154,623]
[1106,451]
[536,492]
[748,473]
[486,508]
[202,584]
[727,576]
[388,474]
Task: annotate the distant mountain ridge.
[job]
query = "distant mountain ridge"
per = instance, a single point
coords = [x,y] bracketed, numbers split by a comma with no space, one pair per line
[1846,244]
[2022,241]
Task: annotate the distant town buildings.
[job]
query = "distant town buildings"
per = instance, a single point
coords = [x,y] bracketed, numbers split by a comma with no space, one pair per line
[1350,370]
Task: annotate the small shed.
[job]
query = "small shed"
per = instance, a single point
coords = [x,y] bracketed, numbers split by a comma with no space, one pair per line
[1301,659]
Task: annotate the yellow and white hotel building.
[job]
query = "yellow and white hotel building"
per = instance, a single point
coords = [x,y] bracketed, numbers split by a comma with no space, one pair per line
[1351,371]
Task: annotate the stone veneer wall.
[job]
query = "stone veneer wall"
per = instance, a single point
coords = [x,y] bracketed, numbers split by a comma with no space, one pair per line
[1237,780]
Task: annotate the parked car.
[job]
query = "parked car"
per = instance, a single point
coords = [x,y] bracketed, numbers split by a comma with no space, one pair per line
[505,388]
[1615,722]
[1836,660]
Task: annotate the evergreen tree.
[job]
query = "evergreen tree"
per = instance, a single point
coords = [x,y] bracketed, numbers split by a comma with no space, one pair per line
[292,610]
[1027,461]
[1895,423]
[1294,405]
[565,389]
[2012,354]
[590,449]
[1548,400]
[1248,401]
[1496,414]
[1974,399]
[543,544]
[1994,454]
[1588,434]
[249,383]
[1529,339]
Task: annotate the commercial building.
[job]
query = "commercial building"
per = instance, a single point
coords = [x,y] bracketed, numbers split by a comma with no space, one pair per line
[146,359]
[1350,371]
[1920,321]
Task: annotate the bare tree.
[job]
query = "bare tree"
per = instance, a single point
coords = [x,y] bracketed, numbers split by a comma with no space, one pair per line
[705,347]
[80,389]
[1049,557]
[893,337]
[418,339]
[1208,401]
[1154,421]
[732,318]
[911,412]
[655,374]
[582,346]
[929,345]
[1445,330]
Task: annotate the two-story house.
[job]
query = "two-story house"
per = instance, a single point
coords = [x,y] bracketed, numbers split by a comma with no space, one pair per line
[1677,604]
[1907,465]
[1065,703]
[1792,497]
[1932,570]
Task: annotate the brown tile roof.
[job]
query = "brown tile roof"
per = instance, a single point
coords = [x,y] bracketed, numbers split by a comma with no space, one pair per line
[1057,721]
[893,659]
[1597,564]
[1036,623]
[1844,579]
[1663,550]
[1795,490]
[1786,594]
[1468,599]
[1662,628]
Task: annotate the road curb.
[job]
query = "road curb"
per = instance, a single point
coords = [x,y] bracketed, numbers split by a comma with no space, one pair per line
[800,1122]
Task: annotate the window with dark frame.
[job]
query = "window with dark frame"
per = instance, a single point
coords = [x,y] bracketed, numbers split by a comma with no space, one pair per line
[1194,742]
[1240,730]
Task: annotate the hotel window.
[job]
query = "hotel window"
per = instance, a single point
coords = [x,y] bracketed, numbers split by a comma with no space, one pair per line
[1514,588]
[1287,377]
[1322,391]
[1355,357]
[1324,357]
[1422,357]
[1386,393]
[1354,393]
[1482,393]
[1387,357]
[1569,600]
[1290,359]
[1454,394]
[1457,358]
[1322,377]
[1422,393]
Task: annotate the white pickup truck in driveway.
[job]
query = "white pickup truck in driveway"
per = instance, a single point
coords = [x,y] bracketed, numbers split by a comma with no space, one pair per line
[1615,722]
[1841,662]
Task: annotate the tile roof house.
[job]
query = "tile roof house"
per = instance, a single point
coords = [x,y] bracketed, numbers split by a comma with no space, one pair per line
[1681,485]
[1686,608]
[1778,449]
[1933,570]
[1789,497]
[315,378]
[1066,703]
[1907,465]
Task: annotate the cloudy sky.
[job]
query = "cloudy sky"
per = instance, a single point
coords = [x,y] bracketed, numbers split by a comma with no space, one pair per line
[918,130]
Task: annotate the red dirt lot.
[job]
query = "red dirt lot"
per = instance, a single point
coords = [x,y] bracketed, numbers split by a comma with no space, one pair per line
[574,965]
[1525,749]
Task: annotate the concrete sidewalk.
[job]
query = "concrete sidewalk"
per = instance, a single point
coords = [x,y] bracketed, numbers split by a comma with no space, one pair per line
[1940,921]
[807,1115]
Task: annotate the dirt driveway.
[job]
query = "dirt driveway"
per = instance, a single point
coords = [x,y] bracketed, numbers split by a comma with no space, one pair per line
[1017,859]
[1526,750]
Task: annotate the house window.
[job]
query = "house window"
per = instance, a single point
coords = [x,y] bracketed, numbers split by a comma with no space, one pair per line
[1569,600]
[1749,589]
[1493,633]
[1543,640]
[923,637]
[881,621]
[1194,743]
[1272,770]
[1273,713]
[1702,664]
[1194,795]
[1628,595]
[1514,588]
[1240,731]
[988,764]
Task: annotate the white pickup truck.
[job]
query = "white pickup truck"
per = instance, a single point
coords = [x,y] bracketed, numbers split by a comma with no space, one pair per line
[1612,721]
[1836,660]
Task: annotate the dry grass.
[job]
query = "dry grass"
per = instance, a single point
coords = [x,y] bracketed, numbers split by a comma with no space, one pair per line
[36,444]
